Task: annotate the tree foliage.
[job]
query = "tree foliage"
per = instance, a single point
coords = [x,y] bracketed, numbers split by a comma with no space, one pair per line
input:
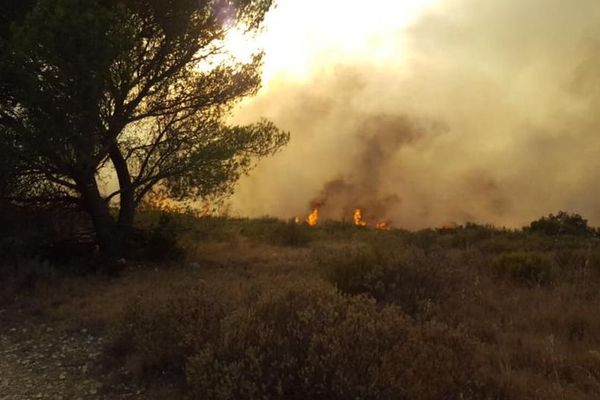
[562,223]
[132,91]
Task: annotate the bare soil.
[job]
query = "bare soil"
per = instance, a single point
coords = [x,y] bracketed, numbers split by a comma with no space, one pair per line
[40,359]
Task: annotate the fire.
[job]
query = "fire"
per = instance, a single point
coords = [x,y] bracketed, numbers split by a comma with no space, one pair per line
[158,199]
[206,211]
[297,220]
[313,217]
[358,218]
[384,226]
[449,226]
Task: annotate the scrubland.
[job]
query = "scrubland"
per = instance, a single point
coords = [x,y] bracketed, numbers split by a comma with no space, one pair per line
[264,309]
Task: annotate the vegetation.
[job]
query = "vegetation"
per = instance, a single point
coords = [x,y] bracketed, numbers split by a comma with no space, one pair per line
[562,223]
[130,92]
[408,278]
[530,268]
[248,310]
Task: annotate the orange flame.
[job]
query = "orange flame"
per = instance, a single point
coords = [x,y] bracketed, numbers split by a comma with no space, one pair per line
[384,226]
[297,220]
[313,217]
[358,218]
[206,211]
[448,226]
[158,199]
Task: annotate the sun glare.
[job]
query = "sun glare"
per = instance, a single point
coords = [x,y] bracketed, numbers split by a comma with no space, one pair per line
[240,45]
[301,36]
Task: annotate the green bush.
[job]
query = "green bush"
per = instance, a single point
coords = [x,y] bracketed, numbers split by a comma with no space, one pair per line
[301,340]
[424,239]
[530,268]
[155,334]
[562,223]
[409,278]
[291,234]
[309,342]
[158,242]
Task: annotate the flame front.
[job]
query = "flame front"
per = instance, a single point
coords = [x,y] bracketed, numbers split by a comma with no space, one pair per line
[384,226]
[448,226]
[313,217]
[358,218]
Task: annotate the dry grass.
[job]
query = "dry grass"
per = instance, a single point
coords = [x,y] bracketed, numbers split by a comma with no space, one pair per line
[520,310]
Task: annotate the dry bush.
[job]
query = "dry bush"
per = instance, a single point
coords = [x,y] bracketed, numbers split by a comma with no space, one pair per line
[291,234]
[296,340]
[307,341]
[530,268]
[415,316]
[155,333]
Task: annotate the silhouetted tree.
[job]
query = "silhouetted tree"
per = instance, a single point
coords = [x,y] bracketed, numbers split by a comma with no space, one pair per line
[562,223]
[131,91]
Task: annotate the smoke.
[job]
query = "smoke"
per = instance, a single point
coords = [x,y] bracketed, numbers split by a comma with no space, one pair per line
[486,111]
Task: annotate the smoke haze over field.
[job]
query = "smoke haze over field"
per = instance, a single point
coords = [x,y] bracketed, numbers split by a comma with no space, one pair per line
[479,110]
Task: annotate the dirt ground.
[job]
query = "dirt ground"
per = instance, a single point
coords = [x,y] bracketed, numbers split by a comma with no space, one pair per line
[42,360]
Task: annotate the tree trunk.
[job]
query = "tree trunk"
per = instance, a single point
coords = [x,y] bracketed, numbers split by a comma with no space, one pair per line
[127,195]
[107,231]
[112,234]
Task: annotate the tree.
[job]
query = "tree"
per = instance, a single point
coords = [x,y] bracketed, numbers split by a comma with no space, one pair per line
[132,91]
[562,223]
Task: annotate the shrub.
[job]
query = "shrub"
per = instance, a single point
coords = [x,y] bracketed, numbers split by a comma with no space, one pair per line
[309,342]
[291,234]
[424,239]
[529,268]
[409,279]
[301,340]
[593,260]
[23,276]
[562,223]
[159,242]
[156,332]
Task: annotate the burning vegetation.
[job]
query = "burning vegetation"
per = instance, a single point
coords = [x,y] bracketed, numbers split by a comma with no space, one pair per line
[313,217]
[384,226]
[358,218]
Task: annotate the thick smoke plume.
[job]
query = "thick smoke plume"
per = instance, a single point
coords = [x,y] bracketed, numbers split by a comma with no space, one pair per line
[365,186]
[489,111]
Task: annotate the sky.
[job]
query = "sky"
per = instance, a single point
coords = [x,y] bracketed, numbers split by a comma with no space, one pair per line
[428,112]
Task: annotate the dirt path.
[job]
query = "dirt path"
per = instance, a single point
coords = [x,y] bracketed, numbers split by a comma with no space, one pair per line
[39,361]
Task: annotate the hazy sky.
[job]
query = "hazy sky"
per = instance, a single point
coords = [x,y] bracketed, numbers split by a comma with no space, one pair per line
[426,112]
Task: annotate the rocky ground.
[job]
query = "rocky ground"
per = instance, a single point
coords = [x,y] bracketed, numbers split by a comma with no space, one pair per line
[42,361]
